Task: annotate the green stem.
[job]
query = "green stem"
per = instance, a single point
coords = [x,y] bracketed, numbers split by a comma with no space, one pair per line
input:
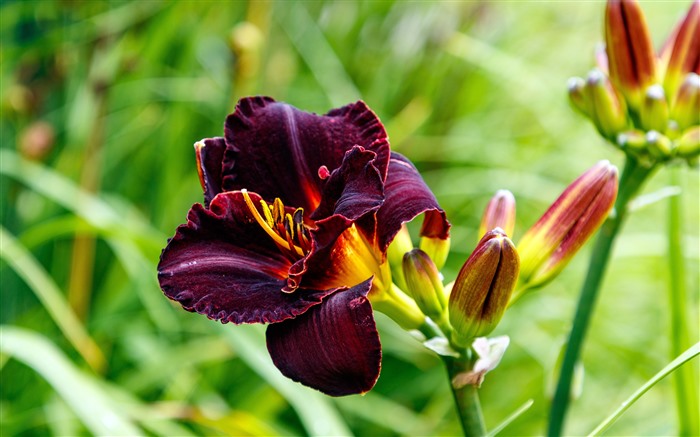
[466,398]
[684,378]
[631,181]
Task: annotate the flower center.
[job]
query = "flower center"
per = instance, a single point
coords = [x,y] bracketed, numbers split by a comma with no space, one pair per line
[286,230]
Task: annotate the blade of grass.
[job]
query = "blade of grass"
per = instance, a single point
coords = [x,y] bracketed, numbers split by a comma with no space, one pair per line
[80,391]
[122,229]
[316,412]
[48,293]
[686,356]
[517,413]
[318,54]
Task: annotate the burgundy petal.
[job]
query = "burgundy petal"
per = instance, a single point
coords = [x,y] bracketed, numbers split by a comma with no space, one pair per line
[334,347]
[210,157]
[277,150]
[406,196]
[222,264]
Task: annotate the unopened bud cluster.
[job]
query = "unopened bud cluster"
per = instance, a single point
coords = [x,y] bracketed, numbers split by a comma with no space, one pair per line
[646,104]
[498,272]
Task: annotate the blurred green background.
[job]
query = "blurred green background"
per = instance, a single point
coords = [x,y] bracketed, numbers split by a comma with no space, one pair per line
[101,103]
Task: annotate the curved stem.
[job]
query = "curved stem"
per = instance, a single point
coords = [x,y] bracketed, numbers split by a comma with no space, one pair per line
[466,398]
[631,181]
[684,379]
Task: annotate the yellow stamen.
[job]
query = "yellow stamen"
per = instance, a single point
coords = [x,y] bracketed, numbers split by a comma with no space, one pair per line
[266,227]
[267,213]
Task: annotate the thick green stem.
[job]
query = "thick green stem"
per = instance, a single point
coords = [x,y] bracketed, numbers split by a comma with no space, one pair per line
[631,181]
[684,379]
[466,398]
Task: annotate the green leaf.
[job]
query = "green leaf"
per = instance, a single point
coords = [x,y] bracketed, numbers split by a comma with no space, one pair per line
[316,412]
[48,293]
[692,352]
[81,392]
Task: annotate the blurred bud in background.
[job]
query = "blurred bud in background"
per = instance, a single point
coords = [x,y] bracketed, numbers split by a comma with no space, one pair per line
[423,283]
[499,213]
[36,140]
[573,218]
[483,287]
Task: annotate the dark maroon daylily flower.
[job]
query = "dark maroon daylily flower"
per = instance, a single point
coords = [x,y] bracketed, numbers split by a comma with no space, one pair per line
[298,212]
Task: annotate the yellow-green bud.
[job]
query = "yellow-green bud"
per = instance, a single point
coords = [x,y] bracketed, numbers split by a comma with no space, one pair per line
[577,96]
[483,287]
[689,143]
[423,283]
[654,111]
[686,105]
[608,109]
[634,141]
[399,246]
[659,145]
[436,248]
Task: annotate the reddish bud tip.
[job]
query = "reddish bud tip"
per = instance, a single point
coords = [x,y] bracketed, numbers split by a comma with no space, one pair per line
[499,213]
[630,53]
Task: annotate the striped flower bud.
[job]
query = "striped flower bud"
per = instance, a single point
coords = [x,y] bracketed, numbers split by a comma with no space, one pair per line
[654,111]
[686,105]
[683,50]
[483,287]
[499,213]
[423,283]
[607,109]
[570,221]
[631,57]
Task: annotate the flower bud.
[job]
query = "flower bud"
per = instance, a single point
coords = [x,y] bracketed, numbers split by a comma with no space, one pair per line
[689,143]
[631,57]
[686,105]
[683,50]
[654,111]
[423,283]
[577,95]
[659,145]
[607,109]
[399,246]
[570,221]
[483,287]
[634,141]
[436,248]
[500,213]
